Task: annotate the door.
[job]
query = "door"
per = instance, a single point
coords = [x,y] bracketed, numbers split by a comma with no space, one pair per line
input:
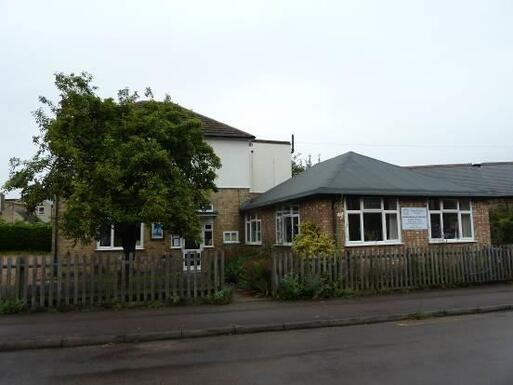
[192,256]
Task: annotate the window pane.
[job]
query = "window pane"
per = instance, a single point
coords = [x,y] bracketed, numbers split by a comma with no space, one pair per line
[117,238]
[466,226]
[450,204]
[434,204]
[104,236]
[392,232]
[248,232]
[354,227]
[450,221]
[259,232]
[372,227]
[253,231]
[390,203]
[465,204]
[353,203]
[436,228]
[288,229]
[295,227]
[138,243]
[371,203]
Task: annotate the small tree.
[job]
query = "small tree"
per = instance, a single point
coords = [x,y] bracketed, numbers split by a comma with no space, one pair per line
[501,219]
[311,242]
[121,162]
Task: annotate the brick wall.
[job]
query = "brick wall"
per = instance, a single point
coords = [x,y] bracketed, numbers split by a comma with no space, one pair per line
[328,214]
[226,217]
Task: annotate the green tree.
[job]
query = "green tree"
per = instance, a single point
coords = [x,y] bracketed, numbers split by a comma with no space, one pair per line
[311,242]
[299,164]
[121,162]
[501,219]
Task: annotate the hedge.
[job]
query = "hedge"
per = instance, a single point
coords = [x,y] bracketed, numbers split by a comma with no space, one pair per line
[25,237]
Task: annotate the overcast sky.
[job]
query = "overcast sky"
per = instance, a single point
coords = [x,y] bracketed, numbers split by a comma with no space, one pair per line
[408,82]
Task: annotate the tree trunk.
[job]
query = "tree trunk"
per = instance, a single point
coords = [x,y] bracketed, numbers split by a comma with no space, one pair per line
[129,235]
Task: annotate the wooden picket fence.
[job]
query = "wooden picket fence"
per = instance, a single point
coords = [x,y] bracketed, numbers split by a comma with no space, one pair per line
[378,271]
[45,281]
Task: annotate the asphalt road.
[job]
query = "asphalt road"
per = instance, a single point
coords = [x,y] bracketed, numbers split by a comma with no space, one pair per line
[459,350]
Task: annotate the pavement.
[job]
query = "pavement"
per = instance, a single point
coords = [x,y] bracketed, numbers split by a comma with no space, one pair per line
[470,350]
[52,330]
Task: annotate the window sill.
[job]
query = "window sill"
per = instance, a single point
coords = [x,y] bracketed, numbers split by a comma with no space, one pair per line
[176,247]
[115,249]
[283,244]
[444,241]
[254,243]
[367,244]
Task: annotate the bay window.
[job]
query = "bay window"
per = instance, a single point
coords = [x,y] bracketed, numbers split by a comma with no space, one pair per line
[287,224]
[253,229]
[372,220]
[450,220]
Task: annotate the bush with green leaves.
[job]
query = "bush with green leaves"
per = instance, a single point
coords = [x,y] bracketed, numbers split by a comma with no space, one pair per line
[311,242]
[25,237]
[12,306]
[234,268]
[501,220]
[256,275]
[220,297]
[311,287]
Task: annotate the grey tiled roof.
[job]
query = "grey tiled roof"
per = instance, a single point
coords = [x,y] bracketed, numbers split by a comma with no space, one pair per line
[496,178]
[355,174]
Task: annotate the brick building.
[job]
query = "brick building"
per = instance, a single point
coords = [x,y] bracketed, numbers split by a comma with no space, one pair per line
[249,167]
[363,202]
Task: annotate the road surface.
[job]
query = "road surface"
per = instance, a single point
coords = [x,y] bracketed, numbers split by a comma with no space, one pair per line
[459,350]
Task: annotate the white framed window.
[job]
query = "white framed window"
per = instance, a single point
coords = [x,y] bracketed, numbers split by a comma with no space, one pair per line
[177,241]
[40,210]
[230,237]
[208,208]
[450,220]
[207,237]
[371,221]
[109,239]
[253,229]
[207,234]
[287,224]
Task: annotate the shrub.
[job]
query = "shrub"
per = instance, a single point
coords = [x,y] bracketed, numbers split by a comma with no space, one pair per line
[290,288]
[257,274]
[11,306]
[234,269]
[501,219]
[220,297]
[311,242]
[24,236]
[312,287]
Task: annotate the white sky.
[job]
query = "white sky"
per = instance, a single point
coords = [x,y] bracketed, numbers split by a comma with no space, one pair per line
[408,82]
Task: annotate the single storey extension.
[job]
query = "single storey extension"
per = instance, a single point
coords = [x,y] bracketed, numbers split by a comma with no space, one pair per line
[364,202]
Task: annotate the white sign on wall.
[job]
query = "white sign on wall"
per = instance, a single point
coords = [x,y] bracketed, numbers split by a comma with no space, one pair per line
[414,218]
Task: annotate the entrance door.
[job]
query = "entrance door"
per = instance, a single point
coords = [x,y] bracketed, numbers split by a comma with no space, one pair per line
[192,256]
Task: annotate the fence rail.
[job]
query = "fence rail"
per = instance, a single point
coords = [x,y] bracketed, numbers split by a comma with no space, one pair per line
[366,270]
[43,281]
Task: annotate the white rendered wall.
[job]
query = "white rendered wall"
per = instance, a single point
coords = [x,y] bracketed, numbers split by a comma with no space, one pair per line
[270,165]
[235,164]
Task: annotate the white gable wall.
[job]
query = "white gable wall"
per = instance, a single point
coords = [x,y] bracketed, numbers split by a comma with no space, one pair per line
[235,164]
[270,165]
